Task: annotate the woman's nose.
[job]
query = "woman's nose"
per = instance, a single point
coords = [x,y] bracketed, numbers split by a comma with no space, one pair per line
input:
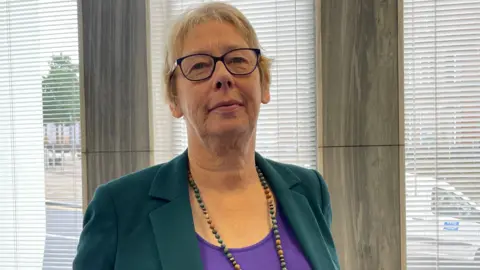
[223,78]
[221,84]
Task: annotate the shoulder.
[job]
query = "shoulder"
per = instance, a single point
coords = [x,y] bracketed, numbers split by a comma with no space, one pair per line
[128,190]
[133,182]
[116,207]
[308,177]
[136,180]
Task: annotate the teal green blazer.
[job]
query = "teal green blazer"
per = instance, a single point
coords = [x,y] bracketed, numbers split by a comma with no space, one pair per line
[143,221]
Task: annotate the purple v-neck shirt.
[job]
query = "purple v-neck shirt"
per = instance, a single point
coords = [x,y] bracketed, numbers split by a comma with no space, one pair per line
[260,256]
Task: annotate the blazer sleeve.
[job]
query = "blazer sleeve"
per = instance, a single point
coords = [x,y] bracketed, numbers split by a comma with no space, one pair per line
[326,208]
[98,240]
[325,200]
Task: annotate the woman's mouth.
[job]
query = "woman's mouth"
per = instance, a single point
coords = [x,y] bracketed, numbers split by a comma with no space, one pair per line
[226,106]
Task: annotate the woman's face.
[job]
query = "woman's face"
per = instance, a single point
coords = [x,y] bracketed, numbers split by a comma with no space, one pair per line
[200,102]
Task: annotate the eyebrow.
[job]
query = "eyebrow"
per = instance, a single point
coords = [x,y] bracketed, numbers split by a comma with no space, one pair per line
[223,48]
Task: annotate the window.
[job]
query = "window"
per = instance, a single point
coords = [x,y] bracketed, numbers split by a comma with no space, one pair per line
[454,204]
[442,133]
[40,172]
[287,125]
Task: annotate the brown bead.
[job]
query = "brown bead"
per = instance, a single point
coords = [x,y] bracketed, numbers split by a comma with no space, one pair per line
[280,252]
[278,242]
[237,266]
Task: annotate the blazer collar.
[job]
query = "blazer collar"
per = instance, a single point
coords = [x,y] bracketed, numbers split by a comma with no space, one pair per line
[173,226]
[170,180]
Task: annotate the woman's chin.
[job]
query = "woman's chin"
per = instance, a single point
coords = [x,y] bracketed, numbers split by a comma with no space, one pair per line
[230,128]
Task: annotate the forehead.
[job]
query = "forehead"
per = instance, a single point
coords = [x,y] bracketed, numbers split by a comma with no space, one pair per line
[214,38]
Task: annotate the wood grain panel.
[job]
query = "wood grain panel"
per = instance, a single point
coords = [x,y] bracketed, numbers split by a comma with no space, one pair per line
[359,72]
[115,90]
[365,191]
[115,74]
[360,117]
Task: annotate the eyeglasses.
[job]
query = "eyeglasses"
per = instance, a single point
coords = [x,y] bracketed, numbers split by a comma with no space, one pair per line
[197,67]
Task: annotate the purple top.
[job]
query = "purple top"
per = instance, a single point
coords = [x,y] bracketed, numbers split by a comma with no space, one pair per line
[260,256]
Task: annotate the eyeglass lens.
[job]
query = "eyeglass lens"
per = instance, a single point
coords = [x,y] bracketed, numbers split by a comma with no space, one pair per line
[238,62]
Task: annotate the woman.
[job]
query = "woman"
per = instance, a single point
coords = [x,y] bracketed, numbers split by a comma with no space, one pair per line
[219,205]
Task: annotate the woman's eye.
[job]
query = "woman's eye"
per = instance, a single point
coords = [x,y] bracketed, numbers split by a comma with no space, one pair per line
[199,66]
[238,60]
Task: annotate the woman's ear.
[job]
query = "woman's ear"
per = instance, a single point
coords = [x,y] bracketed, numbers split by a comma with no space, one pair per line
[265,85]
[175,109]
[265,95]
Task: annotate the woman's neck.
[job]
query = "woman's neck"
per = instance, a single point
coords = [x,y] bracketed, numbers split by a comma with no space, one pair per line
[224,170]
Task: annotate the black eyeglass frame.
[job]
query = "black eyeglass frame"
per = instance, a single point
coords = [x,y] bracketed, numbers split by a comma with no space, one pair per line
[178,63]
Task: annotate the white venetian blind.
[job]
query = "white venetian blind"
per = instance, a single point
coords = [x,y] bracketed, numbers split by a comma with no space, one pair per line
[442,133]
[287,125]
[40,181]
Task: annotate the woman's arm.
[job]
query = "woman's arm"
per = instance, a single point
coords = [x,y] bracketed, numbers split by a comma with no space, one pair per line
[326,208]
[98,240]
[325,197]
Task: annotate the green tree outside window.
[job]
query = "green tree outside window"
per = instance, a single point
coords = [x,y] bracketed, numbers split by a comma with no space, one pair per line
[60,91]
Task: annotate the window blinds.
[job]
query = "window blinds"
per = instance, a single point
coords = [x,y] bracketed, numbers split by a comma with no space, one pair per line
[40,182]
[442,133]
[286,128]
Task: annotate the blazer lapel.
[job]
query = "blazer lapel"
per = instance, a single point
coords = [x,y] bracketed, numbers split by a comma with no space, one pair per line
[300,216]
[172,222]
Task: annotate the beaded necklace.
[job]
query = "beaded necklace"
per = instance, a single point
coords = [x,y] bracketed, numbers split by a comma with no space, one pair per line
[271,211]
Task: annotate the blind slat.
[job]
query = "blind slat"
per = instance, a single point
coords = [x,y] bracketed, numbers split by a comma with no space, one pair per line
[442,133]
[40,171]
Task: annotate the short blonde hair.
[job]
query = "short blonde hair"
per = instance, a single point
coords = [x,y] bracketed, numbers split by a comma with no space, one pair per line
[215,11]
